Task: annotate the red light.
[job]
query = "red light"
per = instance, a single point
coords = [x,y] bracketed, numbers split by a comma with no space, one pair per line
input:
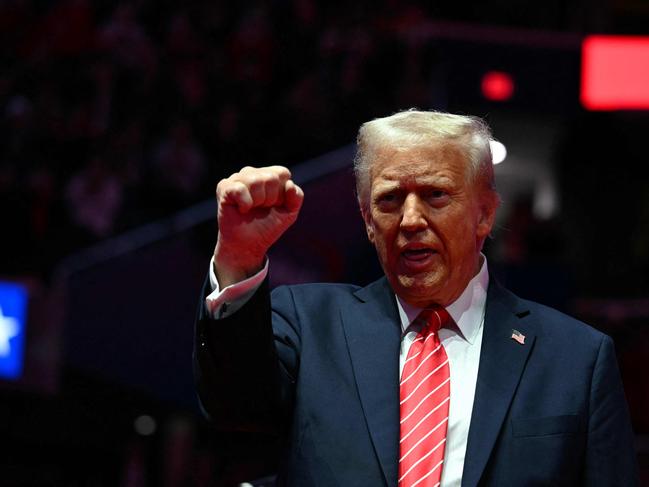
[615,73]
[497,86]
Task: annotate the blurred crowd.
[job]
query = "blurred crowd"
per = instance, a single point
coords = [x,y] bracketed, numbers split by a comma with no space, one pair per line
[113,114]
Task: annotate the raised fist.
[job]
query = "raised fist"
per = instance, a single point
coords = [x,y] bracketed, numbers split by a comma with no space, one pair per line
[255,207]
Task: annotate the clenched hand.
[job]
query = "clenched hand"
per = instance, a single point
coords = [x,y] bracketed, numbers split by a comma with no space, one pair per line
[255,207]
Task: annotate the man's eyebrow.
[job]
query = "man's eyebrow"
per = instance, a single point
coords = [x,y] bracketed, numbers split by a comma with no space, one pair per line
[386,186]
[431,180]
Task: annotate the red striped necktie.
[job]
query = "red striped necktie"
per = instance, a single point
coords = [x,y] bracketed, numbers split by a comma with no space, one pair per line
[425,392]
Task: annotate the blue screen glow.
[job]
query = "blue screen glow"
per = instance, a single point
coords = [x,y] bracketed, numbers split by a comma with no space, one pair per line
[13,315]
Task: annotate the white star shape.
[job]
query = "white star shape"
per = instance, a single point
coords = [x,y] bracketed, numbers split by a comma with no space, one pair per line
[9,328]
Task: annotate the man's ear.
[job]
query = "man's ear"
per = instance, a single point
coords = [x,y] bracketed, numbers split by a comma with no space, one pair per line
[487,216]
[369,225]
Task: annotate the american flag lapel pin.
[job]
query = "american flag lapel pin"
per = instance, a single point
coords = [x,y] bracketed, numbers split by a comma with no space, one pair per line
[518,336]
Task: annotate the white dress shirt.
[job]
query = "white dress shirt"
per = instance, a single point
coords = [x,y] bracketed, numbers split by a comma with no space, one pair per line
[462,343]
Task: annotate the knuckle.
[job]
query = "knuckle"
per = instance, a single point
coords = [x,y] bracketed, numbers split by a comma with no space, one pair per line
[255,183]
[281,170]
[238,187]
[222,188]
[270,178]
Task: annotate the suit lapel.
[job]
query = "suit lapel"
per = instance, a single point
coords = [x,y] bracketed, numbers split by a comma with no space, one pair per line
[502,360]
[373,334]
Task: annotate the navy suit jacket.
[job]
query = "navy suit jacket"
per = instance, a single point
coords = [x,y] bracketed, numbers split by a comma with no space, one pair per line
[319,364]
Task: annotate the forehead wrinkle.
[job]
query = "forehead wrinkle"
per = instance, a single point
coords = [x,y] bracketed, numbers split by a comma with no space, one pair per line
[440,164]
[430,177]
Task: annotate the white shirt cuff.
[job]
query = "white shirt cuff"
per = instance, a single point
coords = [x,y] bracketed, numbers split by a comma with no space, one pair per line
[222,303]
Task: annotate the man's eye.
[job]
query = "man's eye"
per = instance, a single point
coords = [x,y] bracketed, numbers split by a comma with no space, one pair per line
[387,198]
[387,201]
[437,197]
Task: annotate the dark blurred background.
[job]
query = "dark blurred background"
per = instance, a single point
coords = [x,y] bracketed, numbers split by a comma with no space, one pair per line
[118,118]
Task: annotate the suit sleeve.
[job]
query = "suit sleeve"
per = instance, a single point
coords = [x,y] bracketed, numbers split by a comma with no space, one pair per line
[610,454]
[246,365]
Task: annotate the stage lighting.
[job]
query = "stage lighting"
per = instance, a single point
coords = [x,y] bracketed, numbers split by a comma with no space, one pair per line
[615,73]
[498,151]
[497,86]
[13,314]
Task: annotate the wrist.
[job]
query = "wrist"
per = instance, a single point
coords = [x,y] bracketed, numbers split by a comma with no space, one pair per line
[232,265]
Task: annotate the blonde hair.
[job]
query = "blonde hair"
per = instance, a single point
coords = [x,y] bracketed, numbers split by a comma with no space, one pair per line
[411,129]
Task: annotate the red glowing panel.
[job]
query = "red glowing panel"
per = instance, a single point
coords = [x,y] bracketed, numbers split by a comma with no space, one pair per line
[615,73]
[497,86]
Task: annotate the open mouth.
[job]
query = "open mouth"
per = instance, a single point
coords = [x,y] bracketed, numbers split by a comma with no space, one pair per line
[417,255]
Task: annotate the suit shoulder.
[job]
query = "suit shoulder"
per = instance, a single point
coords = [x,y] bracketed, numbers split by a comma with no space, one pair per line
[550,321]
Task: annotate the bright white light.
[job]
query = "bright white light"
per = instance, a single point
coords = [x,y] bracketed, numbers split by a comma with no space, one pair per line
[498,151]
[9,328]
[144,425]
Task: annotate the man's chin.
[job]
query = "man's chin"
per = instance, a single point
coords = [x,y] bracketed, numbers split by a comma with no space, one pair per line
[420,289]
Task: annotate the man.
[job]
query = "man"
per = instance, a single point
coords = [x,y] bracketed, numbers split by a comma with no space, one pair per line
[433,374]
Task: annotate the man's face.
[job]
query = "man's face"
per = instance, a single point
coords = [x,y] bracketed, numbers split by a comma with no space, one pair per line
[428,221]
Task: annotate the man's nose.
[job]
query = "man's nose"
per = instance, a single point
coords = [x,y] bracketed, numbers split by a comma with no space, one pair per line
[413,218]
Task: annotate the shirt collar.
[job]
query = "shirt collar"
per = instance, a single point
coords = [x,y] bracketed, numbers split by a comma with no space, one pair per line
[467,310]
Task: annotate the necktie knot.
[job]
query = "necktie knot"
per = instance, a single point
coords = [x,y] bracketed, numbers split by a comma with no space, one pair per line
[432,319]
